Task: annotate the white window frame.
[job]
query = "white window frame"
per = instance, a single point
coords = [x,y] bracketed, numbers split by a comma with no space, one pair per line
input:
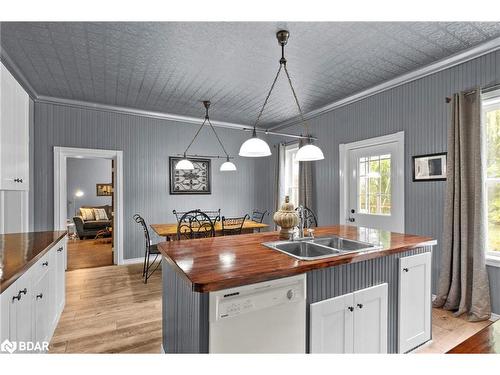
[288,147]
[489,99]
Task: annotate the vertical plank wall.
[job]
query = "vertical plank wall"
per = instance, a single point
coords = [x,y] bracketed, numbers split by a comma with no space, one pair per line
[419,109]
[146,144]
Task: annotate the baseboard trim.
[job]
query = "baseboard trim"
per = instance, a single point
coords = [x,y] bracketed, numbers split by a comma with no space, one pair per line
[133,261]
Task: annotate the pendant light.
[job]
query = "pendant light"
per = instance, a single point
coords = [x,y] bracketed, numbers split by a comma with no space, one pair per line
[186,164]
[254,146]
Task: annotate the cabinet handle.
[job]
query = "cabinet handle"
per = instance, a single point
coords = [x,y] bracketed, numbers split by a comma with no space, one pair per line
[24,291]
[20,180]
[39,296]
[360,305]
[350,308]
[18,297]
[405,269]
[60,249]
[46,263]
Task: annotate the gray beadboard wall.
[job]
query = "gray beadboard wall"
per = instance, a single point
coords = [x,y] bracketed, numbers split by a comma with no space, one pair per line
[419,109]
[146,144]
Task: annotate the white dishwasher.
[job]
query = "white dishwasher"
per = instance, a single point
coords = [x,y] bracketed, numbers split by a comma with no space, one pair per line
[268,317]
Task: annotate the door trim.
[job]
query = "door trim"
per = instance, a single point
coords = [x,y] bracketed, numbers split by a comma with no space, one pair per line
[344,148]
[60,189]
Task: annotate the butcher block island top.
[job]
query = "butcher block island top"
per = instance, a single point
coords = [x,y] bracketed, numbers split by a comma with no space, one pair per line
[217,263]
[19,251]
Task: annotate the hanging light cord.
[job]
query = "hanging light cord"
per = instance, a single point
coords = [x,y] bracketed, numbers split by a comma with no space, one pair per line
[283,65]
[207,118]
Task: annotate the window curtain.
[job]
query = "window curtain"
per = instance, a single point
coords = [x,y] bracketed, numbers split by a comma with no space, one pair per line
[279,183]
[463,283]
[305,183]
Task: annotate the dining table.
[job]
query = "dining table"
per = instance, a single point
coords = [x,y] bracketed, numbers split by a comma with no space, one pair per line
[169,230]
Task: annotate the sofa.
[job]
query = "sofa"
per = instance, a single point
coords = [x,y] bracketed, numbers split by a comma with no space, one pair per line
[90,228]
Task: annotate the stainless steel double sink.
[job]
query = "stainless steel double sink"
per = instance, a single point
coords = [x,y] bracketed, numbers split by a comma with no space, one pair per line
[321,247]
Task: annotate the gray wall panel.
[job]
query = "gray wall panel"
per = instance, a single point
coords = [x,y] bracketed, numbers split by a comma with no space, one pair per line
[420,110]
[146,144]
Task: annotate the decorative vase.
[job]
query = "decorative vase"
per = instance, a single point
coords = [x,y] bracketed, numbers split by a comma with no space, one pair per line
[286,218]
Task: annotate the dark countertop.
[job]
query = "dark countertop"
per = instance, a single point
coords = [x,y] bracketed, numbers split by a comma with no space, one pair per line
[486,341]
[19,251]
[211,264]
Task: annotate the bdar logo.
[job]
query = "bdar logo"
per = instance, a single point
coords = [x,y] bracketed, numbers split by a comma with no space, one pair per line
[8,346]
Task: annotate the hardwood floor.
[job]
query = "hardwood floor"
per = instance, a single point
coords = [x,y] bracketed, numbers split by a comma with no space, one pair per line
[110,310]
[89,253]
[448,331]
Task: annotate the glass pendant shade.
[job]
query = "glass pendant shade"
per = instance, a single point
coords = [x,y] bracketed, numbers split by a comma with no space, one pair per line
[184,164]
[309,152]
[227,166]
[254,148]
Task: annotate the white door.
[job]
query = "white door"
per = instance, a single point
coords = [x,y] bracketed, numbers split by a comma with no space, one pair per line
[372,186]
[331,325]
[414,301]
[370,320]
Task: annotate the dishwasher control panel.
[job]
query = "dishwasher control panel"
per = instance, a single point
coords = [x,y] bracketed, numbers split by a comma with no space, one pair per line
[261,296]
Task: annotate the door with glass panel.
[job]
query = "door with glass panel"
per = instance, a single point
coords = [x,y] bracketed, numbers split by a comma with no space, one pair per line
[374,198]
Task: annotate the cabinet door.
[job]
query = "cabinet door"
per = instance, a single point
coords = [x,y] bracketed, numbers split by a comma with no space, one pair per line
[21,310]
[60,277]
[41,299]
[370,320]
[331,325]
[414,301]
[14,133]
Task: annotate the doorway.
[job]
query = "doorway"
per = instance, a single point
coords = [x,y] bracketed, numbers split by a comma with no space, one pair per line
[372,183]
[68,201]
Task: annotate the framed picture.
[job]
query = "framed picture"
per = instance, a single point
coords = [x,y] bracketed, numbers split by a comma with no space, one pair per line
[104,190]
[195,181]
[431,167]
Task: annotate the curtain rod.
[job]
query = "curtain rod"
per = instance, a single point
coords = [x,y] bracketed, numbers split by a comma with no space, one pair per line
[483,90]
[282,134]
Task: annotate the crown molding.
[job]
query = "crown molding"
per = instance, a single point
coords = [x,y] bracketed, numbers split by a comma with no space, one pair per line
[448,62]
[135,112]
[17,73]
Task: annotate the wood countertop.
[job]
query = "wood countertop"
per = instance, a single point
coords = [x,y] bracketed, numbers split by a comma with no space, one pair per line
[216,263]
[19,251]
[486,341]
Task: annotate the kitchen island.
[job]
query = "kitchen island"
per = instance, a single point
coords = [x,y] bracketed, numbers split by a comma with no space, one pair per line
[198,273]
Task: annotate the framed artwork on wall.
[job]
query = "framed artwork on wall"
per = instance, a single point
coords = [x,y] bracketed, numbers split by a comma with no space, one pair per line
[430,167]
[104,190]
[195,181]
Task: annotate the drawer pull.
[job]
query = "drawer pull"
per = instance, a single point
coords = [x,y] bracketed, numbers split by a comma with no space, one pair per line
[19,294]
[350,308]
[18,297]
[46,263]
[39,296]
[360,305]
[20,180]
[60,249]
[405,269]
[24,291]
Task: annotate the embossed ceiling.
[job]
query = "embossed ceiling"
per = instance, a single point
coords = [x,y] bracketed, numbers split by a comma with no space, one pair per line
[170,67]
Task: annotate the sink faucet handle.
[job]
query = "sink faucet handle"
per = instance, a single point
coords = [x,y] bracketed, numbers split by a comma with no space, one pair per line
[310,232]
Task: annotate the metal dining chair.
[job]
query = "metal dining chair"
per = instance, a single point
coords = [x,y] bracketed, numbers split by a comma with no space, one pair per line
[258,216]
[310,220]
[233,225]
[179,214]
[214,215]
[150,249]
[195,224]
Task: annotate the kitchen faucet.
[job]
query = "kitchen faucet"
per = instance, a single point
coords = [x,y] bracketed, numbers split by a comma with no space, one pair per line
[302,219]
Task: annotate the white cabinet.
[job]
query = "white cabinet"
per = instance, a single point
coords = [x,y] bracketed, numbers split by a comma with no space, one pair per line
[14,133]
[351,323]
[30,308]
[414,301]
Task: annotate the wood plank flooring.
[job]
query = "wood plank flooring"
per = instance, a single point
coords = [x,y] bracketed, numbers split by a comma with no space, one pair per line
[448,331]
[110,310]
[89,253]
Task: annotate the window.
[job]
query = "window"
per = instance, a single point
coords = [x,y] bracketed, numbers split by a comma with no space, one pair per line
[491,119]
[292,173]
[375,185]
